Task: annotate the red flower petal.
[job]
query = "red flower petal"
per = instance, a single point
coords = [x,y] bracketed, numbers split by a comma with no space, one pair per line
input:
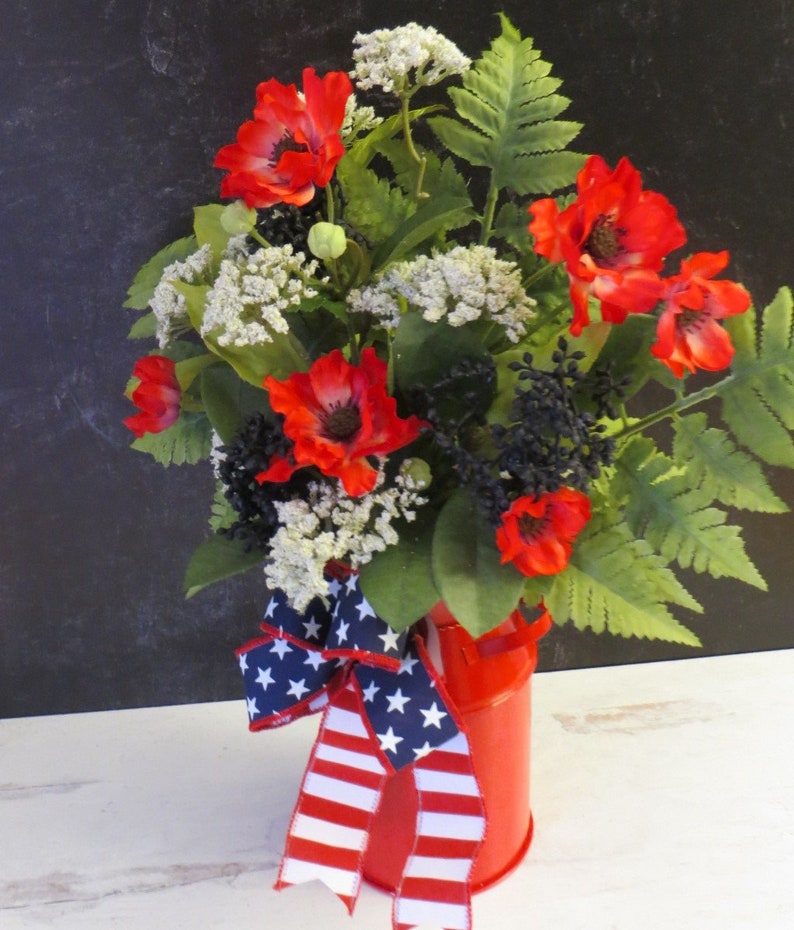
[536,534]
[337,415]
[688,334]
[157,396]
[291,145]
[613,239]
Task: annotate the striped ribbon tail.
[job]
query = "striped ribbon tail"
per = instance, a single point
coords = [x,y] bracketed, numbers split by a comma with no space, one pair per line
[449,832]
[341,791]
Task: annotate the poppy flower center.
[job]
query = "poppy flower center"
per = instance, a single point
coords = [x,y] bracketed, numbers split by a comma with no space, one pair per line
[529,526]
[285,144]
[603,242]
[691,319]
[342,423]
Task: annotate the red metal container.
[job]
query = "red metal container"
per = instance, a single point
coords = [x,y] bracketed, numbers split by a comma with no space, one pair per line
[489,679]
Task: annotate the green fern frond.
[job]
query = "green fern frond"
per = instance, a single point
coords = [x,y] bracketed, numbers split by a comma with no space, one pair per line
[713,462]
[615,582]
[510,107]
[676,519]
[758,398]
[222,514]
[187,442]
[373,205]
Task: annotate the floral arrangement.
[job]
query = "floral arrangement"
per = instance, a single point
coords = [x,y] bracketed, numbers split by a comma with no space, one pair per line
[418,342]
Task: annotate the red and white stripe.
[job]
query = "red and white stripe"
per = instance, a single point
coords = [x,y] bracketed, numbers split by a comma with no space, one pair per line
[341,791]
[450,829]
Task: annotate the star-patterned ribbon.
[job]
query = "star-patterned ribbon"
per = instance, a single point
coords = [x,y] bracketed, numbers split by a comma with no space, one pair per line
[385,708]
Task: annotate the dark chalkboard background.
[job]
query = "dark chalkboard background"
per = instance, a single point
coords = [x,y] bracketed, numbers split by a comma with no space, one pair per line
[111,113]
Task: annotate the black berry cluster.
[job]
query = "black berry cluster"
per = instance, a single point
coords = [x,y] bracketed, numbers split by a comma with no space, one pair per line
[555,438]
[455,408]
[287,224]
[242,460]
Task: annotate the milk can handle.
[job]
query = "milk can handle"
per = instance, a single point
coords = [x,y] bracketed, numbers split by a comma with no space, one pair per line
[517,639]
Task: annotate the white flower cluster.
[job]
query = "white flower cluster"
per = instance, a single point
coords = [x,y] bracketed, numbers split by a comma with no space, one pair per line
[328,525]
[167,304]
[386,57]
[249,296]
[357,119]
[465,284]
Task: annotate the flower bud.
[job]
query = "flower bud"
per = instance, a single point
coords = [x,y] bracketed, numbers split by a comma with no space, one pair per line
[418,471]
[327,240]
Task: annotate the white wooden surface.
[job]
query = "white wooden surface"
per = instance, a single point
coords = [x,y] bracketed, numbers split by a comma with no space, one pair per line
[663,797]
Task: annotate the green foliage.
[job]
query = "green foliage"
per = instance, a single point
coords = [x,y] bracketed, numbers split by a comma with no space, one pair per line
[363,150]
[477,589]
[713,461]
[186,442]
[510,104]
[280,358]
[215,559]
[438,214]
[228,400]
[617,583]
[758,400]
[145,327]
[425,352]
[373,205]
[148,277]
[676,518]
[398,582]
[222,514]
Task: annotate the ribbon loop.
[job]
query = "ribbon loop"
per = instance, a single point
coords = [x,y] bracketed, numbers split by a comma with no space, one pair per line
[386,708]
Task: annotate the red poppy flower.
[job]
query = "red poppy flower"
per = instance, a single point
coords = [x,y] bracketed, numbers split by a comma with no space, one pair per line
[613,239]
[688,334]
[338,414]
[292,143]
[158,395]
[537,532]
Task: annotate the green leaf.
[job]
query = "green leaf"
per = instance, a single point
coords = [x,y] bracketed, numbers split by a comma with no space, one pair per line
[188,441]
[398,582]
[208,225]
[280,358]
[188,369]
[373,205]
[616,583]
[676,519]
[364,149]
[222,514]
[440,213]
[509,105]
[228,400]
[758,398]
[714,463]
[477,589]
[215,559]
[145,327]
[424,352]
[148,277]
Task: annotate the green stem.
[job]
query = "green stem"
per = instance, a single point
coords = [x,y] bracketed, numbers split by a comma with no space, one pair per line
[671,410]
[330,208]
[488,214]
[255,235]
[420,160]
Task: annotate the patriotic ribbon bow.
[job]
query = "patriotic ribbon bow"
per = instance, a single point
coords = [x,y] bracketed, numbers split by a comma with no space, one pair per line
[385,708]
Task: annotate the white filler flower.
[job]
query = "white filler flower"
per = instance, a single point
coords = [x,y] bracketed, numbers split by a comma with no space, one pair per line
[465,284]
[246,304]
[408,56]
[167,304]
[328,525]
